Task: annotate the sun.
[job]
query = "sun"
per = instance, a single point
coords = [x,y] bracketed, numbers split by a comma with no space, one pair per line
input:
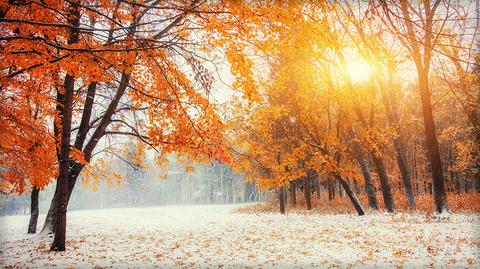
[358,71]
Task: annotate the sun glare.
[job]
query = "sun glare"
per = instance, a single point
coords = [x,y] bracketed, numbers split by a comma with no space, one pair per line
[358,71]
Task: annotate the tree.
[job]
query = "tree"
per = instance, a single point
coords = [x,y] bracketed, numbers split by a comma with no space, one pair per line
[122,69]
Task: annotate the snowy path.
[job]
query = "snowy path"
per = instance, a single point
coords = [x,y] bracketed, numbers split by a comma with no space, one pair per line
[213,236]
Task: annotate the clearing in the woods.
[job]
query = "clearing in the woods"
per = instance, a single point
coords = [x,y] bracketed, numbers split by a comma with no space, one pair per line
[216,236]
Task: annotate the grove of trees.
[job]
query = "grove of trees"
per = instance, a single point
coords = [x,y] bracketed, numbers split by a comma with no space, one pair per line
[410,118]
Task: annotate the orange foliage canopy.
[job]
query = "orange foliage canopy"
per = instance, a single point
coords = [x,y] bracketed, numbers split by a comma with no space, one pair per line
[145,62]
[27,151]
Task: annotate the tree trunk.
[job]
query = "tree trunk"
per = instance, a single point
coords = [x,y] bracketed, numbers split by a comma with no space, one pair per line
[50,220]
[477,176]
[367,176]
[281,199]
[356,186]
[384,183]
[399,143]
[64,166]
[414,168]
[331,190]
[307,193]
[317,187]
[340,192]
[466,183]
[369,187]
[32,225]
[293,194]
[353,198]
[64,153]
[440,195]
[402,166]
[249,191]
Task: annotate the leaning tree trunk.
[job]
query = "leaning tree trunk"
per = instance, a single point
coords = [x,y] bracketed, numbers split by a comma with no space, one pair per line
[379,166]
[384,183]
[281,199]
[402,166]
[353,198]
[369,187]
[366,173]
[32,225]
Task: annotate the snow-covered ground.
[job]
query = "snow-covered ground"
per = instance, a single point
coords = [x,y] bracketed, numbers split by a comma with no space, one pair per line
[214,236]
